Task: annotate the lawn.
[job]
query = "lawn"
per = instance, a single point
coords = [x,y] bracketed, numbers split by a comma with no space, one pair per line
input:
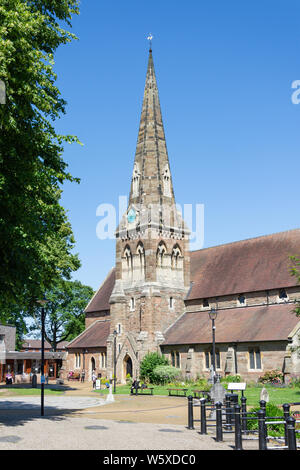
[277,395]
[22,391]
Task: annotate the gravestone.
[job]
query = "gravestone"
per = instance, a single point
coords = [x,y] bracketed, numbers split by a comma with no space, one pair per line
[217,393]
[264,395]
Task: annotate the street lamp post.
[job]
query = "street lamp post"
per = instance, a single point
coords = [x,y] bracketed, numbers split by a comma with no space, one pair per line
[213,315]
[115,358]
[42,303]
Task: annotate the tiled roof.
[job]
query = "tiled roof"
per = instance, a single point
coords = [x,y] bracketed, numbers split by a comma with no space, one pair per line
[246,266]
[242,324]
[37,344]
[100,301]
[94,336]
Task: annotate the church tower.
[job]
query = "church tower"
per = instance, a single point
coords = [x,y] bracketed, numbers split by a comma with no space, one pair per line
[152,249]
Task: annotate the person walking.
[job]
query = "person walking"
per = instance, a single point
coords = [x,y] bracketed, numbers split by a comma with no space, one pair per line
[94,378]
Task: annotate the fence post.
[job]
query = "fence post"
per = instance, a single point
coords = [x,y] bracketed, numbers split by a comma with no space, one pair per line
[291,434]
[244,414]
[219,431]
[228,411]
[286,414]
[262,439]
[237,428]
[203,429]
[190,413]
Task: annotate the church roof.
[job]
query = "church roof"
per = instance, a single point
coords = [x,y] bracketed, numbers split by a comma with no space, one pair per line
[94,336]
[100,301]
[251,265]
[241,324]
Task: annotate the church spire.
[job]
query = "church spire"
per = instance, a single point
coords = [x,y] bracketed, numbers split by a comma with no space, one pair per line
[151,178]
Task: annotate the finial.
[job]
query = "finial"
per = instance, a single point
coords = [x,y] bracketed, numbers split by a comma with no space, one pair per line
[150,37]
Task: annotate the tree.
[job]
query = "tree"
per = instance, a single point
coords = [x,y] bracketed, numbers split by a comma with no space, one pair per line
[36,239]
[149,363]
[64,311]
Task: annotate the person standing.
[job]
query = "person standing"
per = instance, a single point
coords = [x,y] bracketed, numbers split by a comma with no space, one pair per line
[83,376]
[94,378]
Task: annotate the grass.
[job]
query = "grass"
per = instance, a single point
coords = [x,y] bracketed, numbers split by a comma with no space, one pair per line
[27,391]
[277,395]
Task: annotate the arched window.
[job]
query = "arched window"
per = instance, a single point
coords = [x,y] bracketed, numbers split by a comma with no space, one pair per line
[166,181]
[160,254]
[127,263]
[241,299]
[135,180]
[176,253]
[141,258]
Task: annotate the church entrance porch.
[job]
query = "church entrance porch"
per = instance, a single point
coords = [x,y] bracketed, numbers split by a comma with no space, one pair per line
[127,367]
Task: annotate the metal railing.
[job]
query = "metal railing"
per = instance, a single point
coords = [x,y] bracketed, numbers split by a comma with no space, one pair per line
[233,418]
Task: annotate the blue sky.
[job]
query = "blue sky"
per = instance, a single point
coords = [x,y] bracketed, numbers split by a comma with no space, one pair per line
[224,72]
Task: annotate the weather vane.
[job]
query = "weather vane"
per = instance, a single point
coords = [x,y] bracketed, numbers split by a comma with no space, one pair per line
[150,37]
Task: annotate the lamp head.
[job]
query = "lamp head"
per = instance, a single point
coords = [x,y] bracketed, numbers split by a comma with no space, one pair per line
[213,314]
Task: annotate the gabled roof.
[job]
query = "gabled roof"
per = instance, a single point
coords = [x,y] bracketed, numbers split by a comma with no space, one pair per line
[100,301]
[255,264]
[242,324]
[94,336]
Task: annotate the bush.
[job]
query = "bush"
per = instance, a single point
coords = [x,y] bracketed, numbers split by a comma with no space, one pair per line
[149,363]
[165,374]
[271,377]
[231,379]
[271,411]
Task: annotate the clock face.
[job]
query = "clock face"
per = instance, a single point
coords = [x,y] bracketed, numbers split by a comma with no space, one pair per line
[131,216]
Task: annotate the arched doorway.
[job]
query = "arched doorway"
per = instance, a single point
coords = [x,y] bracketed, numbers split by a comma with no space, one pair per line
[127,367]
[93,366]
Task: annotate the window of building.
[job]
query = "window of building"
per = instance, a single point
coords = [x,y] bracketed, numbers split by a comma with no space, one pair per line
[205,303]
[119,328]
[254,358]
[175,359]
[77,360]
[241,299]
[209,358]
[282,295]
[171,303]
[132,303]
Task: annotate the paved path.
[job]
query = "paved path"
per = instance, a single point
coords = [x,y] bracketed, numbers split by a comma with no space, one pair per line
[50,403]
[68,433]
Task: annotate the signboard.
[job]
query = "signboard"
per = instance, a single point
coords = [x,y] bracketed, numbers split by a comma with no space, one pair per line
[236,386]
[42,379]
[98,384]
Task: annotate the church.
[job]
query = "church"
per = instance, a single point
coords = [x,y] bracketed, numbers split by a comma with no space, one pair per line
[159,294]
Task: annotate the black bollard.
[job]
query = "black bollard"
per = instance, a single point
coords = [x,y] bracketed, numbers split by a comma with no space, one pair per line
[286,414]
[34,381]
[219,431]
[203,429]
[244,414]
[291,433]
[228,410]
[190,413]
[262,440]
[238,428]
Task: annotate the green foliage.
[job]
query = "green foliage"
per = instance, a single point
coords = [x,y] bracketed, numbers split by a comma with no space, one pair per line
[294,381]
[148,364]
[165,374]
[231,379]
[271,411]
[64,311]
[271,377]
[36,240]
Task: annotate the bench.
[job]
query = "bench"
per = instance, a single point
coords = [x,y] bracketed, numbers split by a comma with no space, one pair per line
[74,377]
[144,391]
[237,386]
[179,392]
[204,393]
